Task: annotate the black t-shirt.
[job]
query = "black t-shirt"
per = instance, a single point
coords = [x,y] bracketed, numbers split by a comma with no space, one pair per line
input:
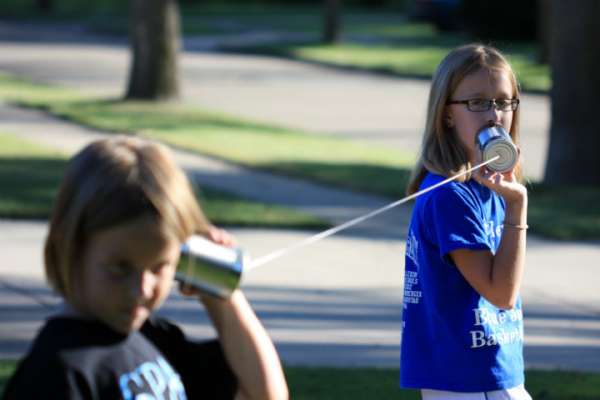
[80,359]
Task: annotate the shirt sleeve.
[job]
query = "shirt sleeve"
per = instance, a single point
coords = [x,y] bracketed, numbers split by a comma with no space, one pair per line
[201,365]
[456,220]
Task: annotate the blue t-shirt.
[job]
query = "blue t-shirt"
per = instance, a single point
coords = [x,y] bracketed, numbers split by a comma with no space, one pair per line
[453,338]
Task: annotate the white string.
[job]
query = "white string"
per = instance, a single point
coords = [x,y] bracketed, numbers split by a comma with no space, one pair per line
[322,235]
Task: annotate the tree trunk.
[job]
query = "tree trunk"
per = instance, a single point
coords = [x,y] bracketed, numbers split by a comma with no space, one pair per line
[574,152]
[543,30]
[155,43]
[45,6]
[331,26]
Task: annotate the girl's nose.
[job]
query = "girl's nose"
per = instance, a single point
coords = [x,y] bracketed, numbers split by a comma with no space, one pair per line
[493,115]
[145,285]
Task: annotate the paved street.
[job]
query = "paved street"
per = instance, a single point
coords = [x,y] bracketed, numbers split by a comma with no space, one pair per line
[337,302]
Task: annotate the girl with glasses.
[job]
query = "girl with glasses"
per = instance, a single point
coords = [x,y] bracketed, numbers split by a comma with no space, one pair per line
[462,319]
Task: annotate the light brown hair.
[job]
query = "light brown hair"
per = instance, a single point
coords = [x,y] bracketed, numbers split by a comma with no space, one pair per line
[109,182]
[442,152]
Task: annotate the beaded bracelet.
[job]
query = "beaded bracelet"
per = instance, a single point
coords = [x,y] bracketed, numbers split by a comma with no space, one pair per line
[519,226]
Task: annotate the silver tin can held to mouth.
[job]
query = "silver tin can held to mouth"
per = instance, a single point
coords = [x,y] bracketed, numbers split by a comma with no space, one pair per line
[210,267]
[493,140]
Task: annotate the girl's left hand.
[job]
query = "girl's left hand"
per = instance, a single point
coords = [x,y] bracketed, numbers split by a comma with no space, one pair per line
[219,236]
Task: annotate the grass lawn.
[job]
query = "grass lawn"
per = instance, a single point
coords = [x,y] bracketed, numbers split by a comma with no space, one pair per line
[382,42]
[6,369]
[565,212]
[375,383]
[30,174]
[340,162]
[333,160]
[408,59]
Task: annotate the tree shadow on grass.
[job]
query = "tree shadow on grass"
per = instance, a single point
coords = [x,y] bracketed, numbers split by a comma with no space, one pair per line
[29,185]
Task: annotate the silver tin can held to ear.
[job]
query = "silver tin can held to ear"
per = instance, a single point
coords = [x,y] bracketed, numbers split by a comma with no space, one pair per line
[493,140]
[210,267]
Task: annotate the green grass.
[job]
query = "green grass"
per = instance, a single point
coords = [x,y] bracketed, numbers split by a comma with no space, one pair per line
[30,174]
[339,162]
[325,159]
[375,383]
[379,41]
[225,209]
[29,177]
[390,43]
[407,49]
[6,369]
[345,163]
[565,212]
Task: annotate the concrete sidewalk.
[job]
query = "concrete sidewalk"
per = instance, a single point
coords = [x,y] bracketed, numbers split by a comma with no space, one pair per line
[337,302]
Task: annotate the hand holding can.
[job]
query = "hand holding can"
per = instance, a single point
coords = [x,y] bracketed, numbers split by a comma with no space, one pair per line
[209,267]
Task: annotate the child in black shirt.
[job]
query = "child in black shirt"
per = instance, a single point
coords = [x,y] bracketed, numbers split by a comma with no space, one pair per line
[122,212]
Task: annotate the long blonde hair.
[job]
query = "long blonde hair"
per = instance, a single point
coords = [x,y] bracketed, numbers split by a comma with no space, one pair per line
[109,182]
[441,151]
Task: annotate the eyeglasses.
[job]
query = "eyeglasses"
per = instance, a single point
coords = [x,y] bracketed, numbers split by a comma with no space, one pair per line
[481,105]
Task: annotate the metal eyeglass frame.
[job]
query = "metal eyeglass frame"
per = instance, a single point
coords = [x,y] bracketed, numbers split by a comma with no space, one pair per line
[510,105]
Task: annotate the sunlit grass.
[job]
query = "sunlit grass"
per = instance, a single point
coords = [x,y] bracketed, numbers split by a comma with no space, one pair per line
[30,175]
[342,162]
[418,57]
[339,162]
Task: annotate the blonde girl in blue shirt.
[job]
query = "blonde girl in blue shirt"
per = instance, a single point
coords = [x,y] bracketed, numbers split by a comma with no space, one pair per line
[462,318]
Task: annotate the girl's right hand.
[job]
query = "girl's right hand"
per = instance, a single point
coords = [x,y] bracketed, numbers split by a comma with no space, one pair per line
[505,184]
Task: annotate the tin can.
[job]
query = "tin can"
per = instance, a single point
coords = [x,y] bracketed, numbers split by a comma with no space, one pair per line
[493,140]
[210,267]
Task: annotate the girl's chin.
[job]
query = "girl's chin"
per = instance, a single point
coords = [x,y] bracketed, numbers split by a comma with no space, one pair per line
[131,322]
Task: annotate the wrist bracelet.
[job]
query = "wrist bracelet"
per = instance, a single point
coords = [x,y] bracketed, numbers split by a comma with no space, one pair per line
[519,226]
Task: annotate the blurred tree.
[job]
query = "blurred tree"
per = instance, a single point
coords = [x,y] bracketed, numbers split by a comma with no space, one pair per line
[155,40]
[331,26]
[543,30]
[575,129]
[45,6]
[498,20]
